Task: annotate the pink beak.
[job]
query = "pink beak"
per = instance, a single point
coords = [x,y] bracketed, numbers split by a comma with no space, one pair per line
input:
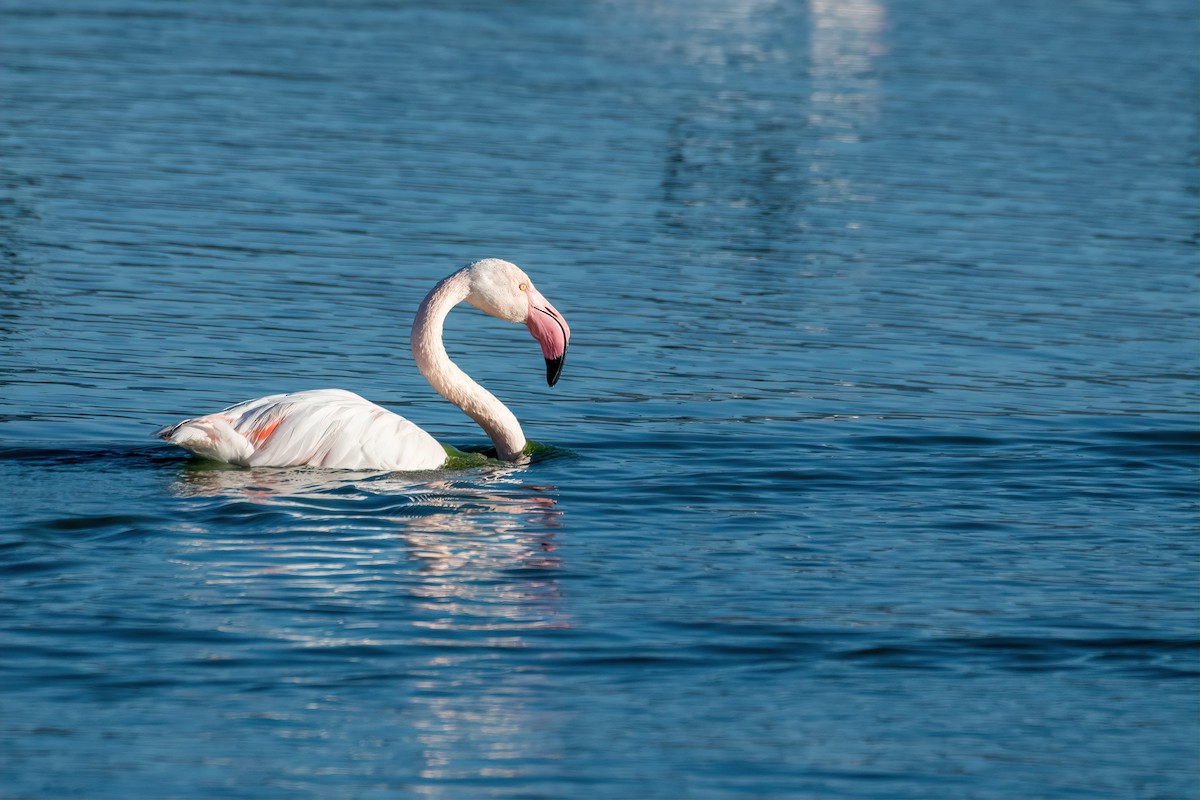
[551,331]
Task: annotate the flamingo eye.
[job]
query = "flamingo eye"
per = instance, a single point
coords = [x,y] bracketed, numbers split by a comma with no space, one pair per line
[523,286]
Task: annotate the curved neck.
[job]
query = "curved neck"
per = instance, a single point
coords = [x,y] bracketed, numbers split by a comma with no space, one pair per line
[452,383]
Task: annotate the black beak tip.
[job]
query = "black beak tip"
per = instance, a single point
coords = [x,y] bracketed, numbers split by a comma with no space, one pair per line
[554,368]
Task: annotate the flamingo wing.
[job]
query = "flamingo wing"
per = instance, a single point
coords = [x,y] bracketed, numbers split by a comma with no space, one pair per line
[320,428]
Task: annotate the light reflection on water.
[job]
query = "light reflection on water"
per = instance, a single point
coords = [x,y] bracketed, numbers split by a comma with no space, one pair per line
[462,568]
[458,534]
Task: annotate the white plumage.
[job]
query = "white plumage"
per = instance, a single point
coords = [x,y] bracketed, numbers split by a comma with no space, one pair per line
[338,429]
[316,428]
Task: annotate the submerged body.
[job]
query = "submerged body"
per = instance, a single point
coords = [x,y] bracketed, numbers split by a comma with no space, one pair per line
[337,429]
[317,428]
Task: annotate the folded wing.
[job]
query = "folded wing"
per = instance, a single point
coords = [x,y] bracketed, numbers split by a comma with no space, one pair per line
[320,428]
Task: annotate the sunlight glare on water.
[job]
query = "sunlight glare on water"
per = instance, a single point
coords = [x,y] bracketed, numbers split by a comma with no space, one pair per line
[872,469]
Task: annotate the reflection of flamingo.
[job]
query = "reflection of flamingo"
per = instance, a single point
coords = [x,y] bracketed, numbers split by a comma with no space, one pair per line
[338,429]
[463,536]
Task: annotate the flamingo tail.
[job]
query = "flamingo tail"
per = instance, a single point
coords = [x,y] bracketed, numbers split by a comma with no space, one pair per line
[209,437]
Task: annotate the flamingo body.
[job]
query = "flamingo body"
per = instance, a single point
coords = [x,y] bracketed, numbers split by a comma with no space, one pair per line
[338,429]
[319,428]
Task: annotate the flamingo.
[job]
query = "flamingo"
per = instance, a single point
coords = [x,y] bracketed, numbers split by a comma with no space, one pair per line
[337,429]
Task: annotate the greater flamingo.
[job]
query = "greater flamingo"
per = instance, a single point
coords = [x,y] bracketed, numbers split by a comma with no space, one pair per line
[338,429]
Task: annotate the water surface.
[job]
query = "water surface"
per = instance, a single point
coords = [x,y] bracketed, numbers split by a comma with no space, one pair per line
[872,472]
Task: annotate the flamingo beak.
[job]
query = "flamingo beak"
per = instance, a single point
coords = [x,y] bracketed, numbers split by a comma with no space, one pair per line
[551,331]
[554,368]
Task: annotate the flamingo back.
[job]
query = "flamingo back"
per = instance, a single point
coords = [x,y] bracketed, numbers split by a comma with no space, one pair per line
[329,428]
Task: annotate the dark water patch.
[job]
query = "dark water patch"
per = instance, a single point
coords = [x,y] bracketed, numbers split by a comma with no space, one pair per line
[1179,449]
[928,442]
[33,566]
[124,524]
[636,661]
[1183,437]
[116,456]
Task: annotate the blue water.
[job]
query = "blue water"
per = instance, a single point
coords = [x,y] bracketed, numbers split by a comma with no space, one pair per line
[872,472]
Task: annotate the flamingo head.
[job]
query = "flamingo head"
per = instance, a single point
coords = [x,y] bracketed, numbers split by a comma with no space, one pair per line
[504,291]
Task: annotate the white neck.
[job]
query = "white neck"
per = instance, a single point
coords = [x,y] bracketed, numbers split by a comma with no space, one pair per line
[451,382]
